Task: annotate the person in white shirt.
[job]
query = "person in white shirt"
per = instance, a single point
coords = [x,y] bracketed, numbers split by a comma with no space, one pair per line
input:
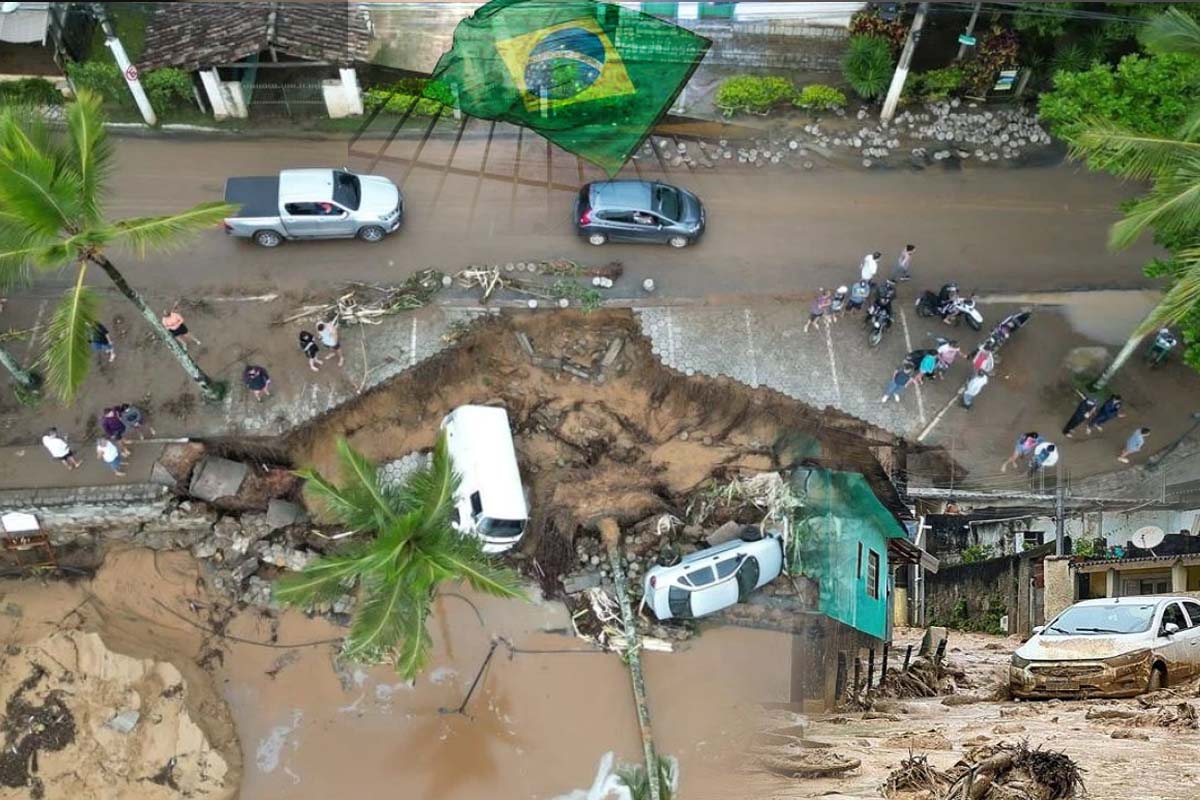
[870,265]
[973,388]
[1044,455]
[903,270]
[110,454]
[58,447]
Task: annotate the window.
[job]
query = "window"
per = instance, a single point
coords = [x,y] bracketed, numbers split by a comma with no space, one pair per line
[622,217]
[858,569]
[666,201]
[728,567]
[302,209]
[476,504]
[1106,618]
[1193,610]
[1173,613]
[347,191]
[872,574]
[702,576]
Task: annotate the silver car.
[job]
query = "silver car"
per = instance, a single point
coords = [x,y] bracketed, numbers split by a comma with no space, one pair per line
[1110,647]
[638,211]
[709,580]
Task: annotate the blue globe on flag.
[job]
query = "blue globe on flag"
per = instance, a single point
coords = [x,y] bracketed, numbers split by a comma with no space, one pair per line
[564,63]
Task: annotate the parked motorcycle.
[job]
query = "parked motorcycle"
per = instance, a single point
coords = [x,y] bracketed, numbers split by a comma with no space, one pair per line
[1164,342]
[879,320]
[961,308]
[1006,328]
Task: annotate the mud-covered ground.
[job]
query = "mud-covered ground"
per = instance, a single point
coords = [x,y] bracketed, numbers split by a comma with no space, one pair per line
[1143,747]
[632,441]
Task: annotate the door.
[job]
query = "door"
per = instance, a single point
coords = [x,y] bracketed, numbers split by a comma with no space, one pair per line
[338,221]
[1175,648]
[747,577]
[711,594]
[302,220]
[619,225]
[1192,635]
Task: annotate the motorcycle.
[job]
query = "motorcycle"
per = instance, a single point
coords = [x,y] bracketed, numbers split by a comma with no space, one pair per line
[930,304]
[1006,328]
[879,319]
[1164,342]
[961,308]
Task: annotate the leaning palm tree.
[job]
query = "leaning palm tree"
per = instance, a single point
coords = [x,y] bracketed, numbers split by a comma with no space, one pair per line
[408,549]
[28,382]
[52,189]
[1172,206]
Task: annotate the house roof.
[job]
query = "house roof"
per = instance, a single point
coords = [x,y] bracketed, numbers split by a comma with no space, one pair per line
[1096,564]
[200,35]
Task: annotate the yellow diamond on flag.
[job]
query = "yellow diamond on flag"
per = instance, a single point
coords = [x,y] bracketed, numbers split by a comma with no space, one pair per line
[564,65]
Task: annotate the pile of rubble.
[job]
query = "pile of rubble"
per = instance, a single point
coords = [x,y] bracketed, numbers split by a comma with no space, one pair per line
[990,772]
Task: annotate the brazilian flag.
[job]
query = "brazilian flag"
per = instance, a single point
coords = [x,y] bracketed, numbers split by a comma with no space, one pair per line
[593,78]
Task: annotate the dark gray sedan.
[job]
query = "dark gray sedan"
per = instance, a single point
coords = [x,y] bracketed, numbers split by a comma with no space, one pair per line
[638,211]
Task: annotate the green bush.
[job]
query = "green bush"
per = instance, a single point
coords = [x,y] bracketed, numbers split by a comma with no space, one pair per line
[998,49]
[752,93]
[399,103]
[31,92]
[867,65]
[819,97]
[1150,94]
[977,552]
[101,78]
[937,84]
[168,89]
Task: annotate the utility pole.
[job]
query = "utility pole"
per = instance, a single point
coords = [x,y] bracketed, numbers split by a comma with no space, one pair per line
[901,74]
[1060,542]
[962,47]
[128,70]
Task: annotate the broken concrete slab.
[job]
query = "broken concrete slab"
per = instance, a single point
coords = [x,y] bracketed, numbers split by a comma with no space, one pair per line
[161,475]
[934,636]
[726,533]
[216,478]
[244,570]
[526,344]
[574,584]
[283,514]
[614,350]
[124,722]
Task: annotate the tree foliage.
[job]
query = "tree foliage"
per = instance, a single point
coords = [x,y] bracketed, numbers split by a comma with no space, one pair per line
[753,93]
[998,49]
[410,549]
[867,65]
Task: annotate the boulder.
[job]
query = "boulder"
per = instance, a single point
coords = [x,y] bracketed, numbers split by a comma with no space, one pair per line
[934,635]
[1086,361]
[216,478]
[726,533]
[283,514]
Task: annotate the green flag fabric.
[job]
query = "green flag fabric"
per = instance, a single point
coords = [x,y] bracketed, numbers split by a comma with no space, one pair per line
[593,78]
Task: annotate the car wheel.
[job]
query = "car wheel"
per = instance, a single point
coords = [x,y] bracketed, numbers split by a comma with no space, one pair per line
[268,239]
[372,233]
[597,239]
[678,241]
[1158,679]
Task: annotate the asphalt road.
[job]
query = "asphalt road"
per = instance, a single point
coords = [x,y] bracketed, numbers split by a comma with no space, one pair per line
[772,231]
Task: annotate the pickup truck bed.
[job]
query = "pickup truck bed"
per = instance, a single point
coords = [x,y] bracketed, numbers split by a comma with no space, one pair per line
[257,196]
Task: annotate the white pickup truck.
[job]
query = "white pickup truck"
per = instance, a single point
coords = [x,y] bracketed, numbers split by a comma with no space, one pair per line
[313,204]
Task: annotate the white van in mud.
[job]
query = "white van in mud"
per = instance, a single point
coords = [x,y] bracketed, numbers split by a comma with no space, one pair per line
[490,501]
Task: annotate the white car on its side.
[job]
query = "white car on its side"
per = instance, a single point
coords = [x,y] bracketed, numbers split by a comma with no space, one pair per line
[709,580]
[1110,647]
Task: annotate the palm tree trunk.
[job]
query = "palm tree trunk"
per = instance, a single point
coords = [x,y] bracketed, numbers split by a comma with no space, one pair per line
[1131,345]
[27,380]
[610,534]
[210,389]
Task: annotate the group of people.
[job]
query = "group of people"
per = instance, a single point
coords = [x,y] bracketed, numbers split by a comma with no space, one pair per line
[830,306]
[1032,447]
[1094,415]
[117,423]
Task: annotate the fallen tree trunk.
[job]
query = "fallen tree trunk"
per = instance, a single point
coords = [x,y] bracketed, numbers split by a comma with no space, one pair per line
[610,534]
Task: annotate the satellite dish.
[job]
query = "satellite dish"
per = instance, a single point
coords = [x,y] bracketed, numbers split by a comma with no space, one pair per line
[1148,537]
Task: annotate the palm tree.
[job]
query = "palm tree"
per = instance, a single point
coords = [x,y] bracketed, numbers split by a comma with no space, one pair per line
[27,381]
[397,572]
[1172,207]
[51,215]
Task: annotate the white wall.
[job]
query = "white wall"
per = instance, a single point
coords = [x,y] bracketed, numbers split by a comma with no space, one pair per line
[833,14]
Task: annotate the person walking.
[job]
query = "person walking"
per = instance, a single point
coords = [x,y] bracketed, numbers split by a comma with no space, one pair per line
[57,445]
[1045,455]
[859,292]
[173,321]
[903,270]
[947,353]
[1082,412]
[900,379]
[870,266]
[984,361]
[257,380]
[1026,442]
[110,454]
[973,388]
[308,346]
[114,428]
[101,343]
[134,419]
[820,304]
[1135,442]
[1110,410]
[329,333]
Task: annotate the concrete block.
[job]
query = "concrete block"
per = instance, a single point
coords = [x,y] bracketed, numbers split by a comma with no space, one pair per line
[244,570]
[282,514]
[574,584]
[526,345]
[614,350]
[726,533]
[216,478]
[934,635]
[161,475]
[124,722]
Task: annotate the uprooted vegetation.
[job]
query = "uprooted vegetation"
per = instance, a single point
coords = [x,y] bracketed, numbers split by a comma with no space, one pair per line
[990,772]
[602,429]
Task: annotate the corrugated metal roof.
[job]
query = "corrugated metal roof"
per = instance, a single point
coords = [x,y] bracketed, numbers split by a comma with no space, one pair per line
[196,35]
[26,25]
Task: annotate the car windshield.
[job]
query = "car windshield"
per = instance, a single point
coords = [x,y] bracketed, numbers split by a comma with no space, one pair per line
[666,202]
[501,528]
[1113,618]
[347,191]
